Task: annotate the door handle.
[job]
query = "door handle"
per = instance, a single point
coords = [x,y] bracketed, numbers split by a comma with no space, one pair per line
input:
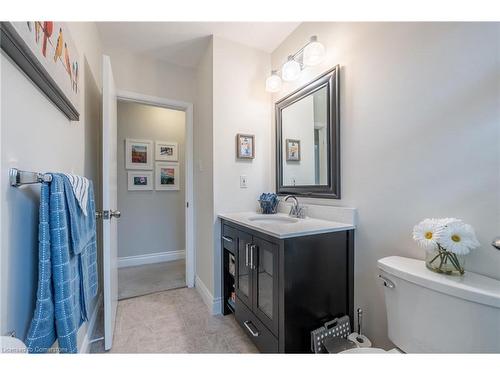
[252,332]
[252,248]
[246,254]
[115,213]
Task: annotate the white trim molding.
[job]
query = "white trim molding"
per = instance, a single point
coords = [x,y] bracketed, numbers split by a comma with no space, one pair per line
[214,304]
[189,167]
[85,347]
[139,260]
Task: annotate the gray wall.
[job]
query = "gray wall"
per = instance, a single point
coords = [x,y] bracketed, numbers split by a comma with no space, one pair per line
[152,221]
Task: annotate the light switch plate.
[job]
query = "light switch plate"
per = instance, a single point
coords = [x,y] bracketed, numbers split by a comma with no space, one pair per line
[243,182]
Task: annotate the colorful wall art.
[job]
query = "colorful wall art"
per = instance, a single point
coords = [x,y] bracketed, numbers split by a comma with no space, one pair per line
[52,45]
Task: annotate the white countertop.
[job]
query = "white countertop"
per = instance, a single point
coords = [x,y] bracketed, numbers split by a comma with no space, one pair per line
[301,227]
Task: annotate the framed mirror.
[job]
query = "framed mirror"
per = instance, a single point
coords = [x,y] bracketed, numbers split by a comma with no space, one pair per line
[307,139]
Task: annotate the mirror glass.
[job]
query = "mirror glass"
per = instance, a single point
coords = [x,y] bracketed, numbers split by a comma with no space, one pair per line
[304,140]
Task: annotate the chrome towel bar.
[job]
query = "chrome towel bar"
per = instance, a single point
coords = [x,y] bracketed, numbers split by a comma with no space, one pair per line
[18,177]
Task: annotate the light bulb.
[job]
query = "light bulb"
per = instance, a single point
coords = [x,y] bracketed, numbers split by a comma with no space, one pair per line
[273,82]
[290,70]
[314,52]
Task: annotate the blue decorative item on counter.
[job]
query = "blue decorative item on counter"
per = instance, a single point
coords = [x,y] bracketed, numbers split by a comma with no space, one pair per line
[269,203]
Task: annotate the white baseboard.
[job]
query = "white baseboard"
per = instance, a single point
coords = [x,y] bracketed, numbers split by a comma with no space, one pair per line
[214,304]
[139,260]
[85,347]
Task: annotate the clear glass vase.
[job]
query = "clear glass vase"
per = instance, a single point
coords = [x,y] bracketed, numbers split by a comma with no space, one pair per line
[442,261]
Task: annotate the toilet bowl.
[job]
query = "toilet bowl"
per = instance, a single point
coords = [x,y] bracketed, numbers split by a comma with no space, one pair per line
[370,351]
[429,312]
[11,345]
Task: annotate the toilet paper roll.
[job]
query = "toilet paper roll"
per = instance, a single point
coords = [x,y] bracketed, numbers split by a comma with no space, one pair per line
[361,341]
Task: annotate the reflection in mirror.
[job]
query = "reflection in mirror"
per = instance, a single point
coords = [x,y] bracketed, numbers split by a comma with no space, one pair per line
[304,137]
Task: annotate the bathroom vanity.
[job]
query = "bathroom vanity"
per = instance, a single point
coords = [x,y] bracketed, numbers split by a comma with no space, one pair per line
[289,276]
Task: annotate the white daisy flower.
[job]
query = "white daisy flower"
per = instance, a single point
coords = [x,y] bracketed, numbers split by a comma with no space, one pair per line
[458,237]
[427,233]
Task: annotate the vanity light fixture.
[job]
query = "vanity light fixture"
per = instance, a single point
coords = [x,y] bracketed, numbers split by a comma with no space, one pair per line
[311,54]
[314,52]
[273,82]
[291,69]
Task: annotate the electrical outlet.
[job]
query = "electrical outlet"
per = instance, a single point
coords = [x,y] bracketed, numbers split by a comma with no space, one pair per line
[243,182]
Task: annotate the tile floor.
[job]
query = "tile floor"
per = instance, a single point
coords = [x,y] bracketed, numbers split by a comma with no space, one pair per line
[150,278]
[175,321]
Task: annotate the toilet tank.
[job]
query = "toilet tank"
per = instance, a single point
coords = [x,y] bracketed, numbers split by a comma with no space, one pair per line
[429,312]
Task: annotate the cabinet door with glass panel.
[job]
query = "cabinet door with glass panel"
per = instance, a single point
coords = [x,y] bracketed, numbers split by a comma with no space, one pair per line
[264,266]
[244,285]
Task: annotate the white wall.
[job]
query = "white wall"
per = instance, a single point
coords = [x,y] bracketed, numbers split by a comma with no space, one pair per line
[420,129]
[36,136]
[152,221]
[203,169]
[240,105]
[230,100]
[152,77]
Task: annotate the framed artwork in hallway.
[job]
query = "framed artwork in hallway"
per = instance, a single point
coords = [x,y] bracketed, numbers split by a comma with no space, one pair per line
[166,151]
[138,154]
[140,180]
[167,176]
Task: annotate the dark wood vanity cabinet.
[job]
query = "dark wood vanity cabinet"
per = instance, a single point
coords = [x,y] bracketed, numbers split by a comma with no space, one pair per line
[285,288]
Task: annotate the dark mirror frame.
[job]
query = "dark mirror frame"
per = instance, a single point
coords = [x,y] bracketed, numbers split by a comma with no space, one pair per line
[330,80]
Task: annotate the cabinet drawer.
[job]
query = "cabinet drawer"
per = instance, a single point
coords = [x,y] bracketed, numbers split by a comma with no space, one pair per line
[229,238]
[260,335]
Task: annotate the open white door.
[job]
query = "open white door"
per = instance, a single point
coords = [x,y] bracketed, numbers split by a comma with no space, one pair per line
[109,199]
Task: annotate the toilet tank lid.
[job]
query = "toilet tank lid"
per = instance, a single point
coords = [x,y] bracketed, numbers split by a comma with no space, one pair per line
[470,286]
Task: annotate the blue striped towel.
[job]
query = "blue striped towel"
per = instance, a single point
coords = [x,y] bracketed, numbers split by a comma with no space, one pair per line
[83,239]
[67,277]
[80,186]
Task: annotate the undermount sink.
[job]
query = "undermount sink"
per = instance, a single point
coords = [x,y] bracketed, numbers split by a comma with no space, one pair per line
[273,219]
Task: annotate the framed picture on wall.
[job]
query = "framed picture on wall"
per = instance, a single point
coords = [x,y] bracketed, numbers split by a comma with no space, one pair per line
[166,151]
[167,176]
[138,154]
[139,180]
[245,146]
[292,150]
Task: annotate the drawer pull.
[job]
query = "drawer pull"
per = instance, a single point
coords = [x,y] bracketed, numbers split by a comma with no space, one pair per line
[226,238]
[247,325]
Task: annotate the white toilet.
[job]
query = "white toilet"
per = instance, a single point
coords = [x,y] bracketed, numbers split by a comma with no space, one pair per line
[11,345]
[429,312]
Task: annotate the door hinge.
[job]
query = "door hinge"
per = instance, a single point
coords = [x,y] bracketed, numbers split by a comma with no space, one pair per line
[187,204]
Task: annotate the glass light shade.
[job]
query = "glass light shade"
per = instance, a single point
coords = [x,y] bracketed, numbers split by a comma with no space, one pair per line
[314,53]
[273,82]
[290,70]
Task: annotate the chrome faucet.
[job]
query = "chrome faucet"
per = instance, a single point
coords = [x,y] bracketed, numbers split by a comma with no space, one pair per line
[296,210]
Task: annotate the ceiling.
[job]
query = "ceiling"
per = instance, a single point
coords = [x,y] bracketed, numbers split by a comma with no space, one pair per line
[183,43]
